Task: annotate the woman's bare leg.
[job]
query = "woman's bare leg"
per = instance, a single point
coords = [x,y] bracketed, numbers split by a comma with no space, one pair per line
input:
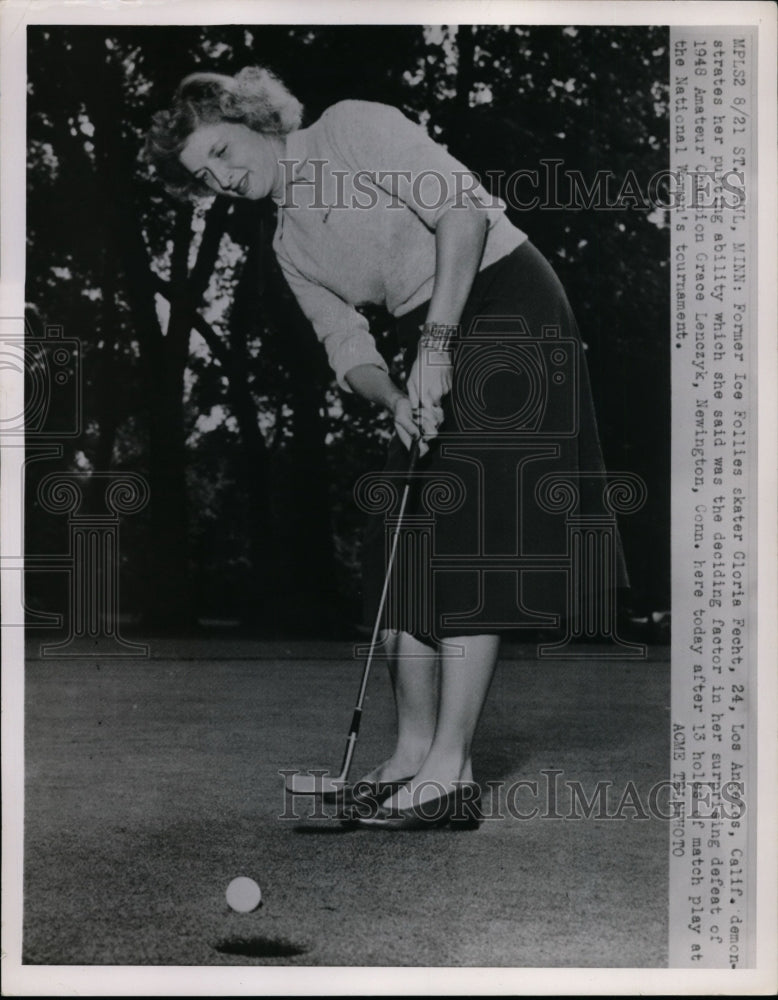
[414,675]
[464,685]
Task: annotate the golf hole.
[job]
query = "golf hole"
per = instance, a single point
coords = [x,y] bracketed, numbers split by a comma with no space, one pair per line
[260,947]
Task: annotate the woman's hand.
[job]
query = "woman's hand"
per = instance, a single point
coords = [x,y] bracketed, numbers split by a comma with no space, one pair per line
[419,415]
[374,384]
[429,381]
[408,427]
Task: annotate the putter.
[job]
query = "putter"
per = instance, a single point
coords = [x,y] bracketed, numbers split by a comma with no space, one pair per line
[319,783]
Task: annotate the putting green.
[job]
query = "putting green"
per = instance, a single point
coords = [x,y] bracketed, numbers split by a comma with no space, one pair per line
[151,784]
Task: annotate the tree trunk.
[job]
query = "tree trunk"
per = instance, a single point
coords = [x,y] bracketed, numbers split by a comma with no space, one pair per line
[168,590]
[311,550]
[465,67]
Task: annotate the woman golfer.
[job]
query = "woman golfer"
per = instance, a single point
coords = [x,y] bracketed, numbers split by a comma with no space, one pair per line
[371,210]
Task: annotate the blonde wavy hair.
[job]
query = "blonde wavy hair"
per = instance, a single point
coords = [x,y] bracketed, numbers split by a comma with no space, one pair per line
[254,97]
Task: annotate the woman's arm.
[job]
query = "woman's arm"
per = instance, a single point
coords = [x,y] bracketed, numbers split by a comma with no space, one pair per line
[459,244]
[375,385]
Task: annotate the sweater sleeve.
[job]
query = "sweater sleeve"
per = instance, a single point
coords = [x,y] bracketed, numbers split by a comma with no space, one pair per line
[343,330]
[380,143]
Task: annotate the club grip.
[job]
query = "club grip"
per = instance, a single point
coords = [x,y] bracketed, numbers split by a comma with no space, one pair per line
[356,718]
[414,455]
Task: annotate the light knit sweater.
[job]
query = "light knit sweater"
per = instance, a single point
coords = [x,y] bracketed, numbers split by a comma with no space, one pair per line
[365,189]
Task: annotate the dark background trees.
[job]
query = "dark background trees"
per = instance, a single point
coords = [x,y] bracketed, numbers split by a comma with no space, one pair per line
[201,373]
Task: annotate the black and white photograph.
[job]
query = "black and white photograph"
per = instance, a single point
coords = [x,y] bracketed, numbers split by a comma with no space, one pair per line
[388,449]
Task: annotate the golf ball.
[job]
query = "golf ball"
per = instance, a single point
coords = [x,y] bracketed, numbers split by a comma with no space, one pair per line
[243,894]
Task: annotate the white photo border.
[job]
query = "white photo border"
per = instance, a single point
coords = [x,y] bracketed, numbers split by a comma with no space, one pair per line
[22,980]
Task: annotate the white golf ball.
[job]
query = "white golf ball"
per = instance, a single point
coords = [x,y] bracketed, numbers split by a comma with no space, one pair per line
[243,894]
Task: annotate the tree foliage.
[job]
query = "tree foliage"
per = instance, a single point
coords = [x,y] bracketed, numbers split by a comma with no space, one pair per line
[200,370]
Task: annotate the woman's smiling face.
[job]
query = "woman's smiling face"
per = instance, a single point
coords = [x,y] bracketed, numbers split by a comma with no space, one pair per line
[232,159]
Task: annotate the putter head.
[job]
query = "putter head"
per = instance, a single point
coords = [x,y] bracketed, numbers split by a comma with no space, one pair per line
[315,783]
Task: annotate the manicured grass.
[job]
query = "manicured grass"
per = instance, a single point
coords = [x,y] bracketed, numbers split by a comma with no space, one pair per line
[152,783]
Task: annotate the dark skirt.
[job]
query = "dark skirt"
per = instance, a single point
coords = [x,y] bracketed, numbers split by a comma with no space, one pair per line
[509,526]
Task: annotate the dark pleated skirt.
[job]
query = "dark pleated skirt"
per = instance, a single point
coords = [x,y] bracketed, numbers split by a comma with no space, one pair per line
[497,509]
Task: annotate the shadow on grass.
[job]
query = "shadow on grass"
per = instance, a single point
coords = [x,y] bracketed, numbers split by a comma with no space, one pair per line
[259,947]
[321,829]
